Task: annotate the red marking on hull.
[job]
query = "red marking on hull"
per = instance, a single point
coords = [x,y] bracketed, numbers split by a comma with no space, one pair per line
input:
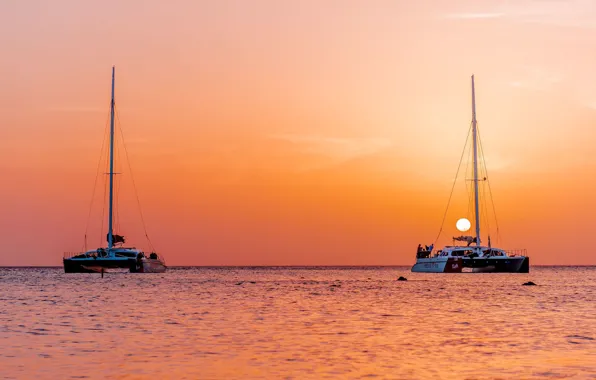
[453,265]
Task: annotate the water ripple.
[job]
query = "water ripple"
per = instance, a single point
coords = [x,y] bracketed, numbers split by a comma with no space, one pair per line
[303,323]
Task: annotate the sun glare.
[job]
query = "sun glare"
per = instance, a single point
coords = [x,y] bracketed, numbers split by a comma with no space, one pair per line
[463,224]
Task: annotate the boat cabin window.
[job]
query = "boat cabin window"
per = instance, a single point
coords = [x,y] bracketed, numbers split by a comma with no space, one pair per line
[126,254]
[492,252]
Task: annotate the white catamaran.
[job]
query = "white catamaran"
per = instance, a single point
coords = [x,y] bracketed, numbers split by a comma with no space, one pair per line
[115,257]
[471,258]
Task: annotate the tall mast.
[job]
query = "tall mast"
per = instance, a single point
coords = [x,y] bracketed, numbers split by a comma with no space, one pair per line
[110,212]
[475,133]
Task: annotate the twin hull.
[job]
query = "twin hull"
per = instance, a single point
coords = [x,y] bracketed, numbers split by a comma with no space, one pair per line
[519,264]
[152,266]
[91,265]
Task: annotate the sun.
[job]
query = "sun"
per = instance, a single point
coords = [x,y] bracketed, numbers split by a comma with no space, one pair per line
[463,224]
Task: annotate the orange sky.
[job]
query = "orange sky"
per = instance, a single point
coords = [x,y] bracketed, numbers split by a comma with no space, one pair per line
[304,132]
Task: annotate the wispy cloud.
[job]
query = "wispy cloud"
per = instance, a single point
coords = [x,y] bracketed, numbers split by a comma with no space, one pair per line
[562,83]
[471,16]
[536,78]
[566,13]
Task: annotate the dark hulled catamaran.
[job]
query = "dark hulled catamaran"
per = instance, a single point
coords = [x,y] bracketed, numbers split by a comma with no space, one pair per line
[114,257]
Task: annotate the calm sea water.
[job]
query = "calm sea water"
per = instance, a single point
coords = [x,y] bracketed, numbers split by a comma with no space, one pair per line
[301,323]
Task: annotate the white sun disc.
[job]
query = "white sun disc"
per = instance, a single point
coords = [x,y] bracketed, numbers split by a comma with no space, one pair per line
[463,224]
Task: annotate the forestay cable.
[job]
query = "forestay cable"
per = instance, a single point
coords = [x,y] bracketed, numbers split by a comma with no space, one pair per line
[454,182]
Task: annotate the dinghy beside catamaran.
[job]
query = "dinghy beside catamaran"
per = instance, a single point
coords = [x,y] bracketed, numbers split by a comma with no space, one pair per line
[116,257]
[472,257]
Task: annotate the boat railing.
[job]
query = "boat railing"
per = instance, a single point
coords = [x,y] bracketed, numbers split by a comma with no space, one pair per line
[68,255]
[517,252]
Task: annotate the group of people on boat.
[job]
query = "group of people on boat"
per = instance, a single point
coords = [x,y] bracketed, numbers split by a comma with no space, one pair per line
[427,248]
[424,251]
[141,255]
[100,252]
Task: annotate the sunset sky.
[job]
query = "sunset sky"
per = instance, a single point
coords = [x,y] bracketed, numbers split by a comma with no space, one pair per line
[297,132]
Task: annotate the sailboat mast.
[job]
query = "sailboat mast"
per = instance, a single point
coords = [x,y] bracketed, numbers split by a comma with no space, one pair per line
[111,201]
[475,138]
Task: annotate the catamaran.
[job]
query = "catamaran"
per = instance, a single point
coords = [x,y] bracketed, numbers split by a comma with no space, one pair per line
[472,257]
[115,257]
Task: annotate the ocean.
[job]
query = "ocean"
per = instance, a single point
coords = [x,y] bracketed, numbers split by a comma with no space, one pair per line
[297,323]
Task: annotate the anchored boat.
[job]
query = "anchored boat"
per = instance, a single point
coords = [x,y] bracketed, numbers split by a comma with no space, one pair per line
[473,256]
[115,257]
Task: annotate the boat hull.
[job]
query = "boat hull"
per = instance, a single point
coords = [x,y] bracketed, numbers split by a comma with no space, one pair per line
[518,264]
[90,265]
[438,265]
[151,266]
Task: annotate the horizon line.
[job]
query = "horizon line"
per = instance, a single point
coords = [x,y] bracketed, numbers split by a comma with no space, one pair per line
[286,266]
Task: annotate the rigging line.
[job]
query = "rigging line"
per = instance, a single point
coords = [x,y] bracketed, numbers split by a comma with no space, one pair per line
[473,196]
[485,209]
[103,143]
[489,188]
[103,210]
[470,186]
[454,182]
[481,192]
[118,184]
[483,174]
[470,214]
[133,183]
[465,182]
[485,203]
